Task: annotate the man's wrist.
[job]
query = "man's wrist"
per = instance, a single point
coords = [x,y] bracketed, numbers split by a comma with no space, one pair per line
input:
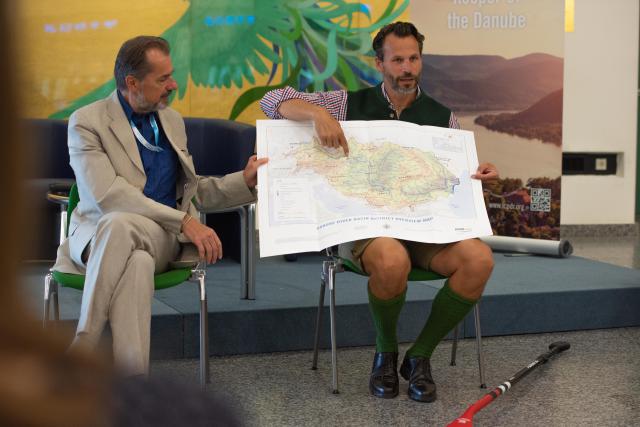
[185,219]
[316,112]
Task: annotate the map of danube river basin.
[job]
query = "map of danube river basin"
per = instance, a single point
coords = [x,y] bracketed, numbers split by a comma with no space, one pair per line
[400,180]
[386,176]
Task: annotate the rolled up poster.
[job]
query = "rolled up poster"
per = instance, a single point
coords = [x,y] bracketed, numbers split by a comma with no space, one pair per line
[558,248]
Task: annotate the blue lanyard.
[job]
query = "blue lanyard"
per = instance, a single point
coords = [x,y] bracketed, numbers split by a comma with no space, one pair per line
[142,140]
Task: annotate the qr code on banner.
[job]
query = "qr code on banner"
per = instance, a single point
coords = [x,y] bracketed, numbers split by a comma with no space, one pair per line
[540,200]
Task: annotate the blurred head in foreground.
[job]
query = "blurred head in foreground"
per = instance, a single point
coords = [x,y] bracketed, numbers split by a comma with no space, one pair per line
[40,385]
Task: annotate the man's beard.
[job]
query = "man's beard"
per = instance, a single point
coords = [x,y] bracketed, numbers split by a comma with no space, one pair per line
[396,86]
[145,106]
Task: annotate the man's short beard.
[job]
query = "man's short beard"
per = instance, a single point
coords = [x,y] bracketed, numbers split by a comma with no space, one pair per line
[405,90]
[395,84]
[147,107]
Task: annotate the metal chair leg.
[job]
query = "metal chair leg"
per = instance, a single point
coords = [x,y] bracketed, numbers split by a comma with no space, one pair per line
[54,296]
[47,295]
[251,251]
[247,247]
[204,331]
[454,347]
[63,223]
[316,339]
[476,316]
[331,274]
[244,284]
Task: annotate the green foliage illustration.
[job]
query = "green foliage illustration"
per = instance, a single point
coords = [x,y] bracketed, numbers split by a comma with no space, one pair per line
[314,46]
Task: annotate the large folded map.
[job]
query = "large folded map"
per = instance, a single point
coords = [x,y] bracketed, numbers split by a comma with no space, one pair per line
[400,180]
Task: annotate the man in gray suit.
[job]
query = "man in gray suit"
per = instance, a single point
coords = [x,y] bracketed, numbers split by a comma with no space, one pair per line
[136,181]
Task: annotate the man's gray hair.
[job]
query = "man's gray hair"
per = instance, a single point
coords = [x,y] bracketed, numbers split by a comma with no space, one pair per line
[132,58]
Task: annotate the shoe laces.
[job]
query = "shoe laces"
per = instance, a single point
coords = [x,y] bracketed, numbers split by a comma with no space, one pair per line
[422,370]
[388,369]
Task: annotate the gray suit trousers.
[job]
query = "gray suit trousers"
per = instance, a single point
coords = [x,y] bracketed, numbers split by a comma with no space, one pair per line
[124,254]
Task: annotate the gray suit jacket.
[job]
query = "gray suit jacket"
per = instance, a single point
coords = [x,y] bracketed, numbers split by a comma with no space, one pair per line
[110,177]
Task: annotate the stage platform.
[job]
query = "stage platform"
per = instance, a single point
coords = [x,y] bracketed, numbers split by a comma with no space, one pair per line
[526,294]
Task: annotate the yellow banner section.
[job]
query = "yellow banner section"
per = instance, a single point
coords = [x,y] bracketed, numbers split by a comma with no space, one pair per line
[223,48]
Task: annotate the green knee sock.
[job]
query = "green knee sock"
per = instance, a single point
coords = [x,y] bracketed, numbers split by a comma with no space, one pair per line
[447,311]
[385,315]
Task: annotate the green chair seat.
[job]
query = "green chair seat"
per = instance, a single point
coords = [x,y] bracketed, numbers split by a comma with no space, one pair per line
[415,275]
[68,280]
[160,281]
[76,281]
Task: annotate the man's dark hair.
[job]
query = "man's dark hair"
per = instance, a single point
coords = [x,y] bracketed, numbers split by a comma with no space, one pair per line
[132,58]
[400,29]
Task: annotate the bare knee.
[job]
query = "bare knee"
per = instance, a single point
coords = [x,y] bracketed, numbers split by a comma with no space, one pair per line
[388,273]
[473,256]
[481,260]
[389,266]
[474,266]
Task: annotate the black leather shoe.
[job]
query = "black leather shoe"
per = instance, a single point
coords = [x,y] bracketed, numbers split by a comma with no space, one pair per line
[383,381]
[417,370]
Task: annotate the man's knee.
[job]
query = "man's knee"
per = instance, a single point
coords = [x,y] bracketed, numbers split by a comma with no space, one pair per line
[115,219]
[484,259]
[142,259]
[392,265]
[477,256]
[116,222]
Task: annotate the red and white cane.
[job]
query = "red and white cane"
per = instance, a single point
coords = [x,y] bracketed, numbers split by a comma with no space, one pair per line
[466,419]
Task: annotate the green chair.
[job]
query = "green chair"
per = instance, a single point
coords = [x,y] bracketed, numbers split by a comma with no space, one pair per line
[164,280]
[338,265]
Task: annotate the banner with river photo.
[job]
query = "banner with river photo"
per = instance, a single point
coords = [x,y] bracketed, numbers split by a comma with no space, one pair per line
[499,66]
